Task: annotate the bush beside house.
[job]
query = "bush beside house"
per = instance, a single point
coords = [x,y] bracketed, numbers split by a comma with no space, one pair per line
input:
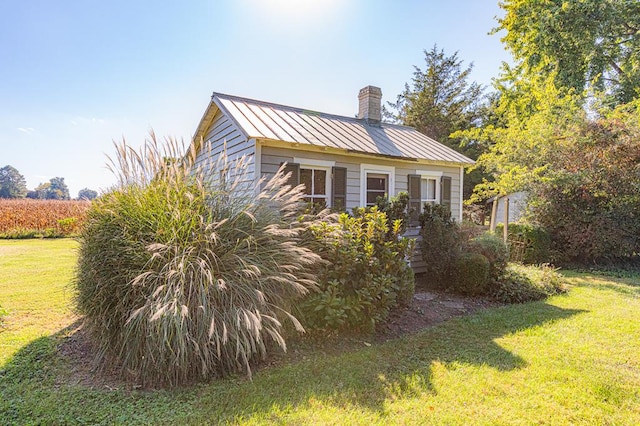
[478,265]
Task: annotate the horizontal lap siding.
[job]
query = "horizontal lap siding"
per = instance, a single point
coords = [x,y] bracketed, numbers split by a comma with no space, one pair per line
[272,157]
[224,136]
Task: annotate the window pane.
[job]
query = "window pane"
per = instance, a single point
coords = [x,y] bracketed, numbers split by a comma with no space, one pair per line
[319,182]
[305,178]
[428,189]
[431,189]
[372,196]
[376,183]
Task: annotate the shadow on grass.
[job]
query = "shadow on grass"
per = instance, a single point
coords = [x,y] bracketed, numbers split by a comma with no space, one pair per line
[361,378]
[398,368]
[626,284]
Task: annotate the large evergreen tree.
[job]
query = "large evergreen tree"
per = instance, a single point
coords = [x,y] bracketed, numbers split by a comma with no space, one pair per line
[12,183]
[440,101]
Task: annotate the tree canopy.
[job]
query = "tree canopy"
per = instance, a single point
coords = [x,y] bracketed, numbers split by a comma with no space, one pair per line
[440,98]
[584,43]
[55,189]
[87,194]
[12,183]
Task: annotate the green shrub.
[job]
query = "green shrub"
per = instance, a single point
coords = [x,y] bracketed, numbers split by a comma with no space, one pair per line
[494,249]
[521,284]
[472,274]
[528,244]
[589,197]
[440,244]
[181,279]
[365,275]
[396,208]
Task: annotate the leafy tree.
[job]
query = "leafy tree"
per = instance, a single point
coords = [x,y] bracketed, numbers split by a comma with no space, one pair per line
[41,192]
[584,43]
[55,189]
[58,189]
[589,196]
[87,194]
[519,145]
[12,183]
[440,101]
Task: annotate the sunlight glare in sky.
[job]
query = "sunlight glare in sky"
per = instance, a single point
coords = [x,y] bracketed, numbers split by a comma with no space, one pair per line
[298,14]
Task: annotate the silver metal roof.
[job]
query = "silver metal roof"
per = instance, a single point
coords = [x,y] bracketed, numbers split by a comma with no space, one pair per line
[263,120]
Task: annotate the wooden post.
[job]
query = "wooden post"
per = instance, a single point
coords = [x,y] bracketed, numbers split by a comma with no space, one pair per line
[506,219]
[494,213]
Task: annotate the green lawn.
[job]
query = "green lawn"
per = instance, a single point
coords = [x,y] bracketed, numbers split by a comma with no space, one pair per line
[574,359]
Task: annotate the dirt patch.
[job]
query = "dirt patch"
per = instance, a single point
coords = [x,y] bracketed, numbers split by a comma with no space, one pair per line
[430,308]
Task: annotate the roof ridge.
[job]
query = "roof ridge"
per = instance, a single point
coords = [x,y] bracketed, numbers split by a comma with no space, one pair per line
[305,111]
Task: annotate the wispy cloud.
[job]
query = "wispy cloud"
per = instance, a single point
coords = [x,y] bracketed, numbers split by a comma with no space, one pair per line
[27,130]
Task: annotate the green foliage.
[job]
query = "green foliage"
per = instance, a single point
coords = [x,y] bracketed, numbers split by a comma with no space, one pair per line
[440,244]
[12,183]
[583,43]
[396,209]
[365,275]
[440,99]
[521,284]
[87,194]
[493,249]
[180,278]
[528,243]
[589,199]
[55,189]
[472,274]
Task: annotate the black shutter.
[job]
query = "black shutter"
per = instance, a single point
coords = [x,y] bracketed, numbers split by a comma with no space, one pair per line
[445,192]
[415,198]
[339,188]
[294,169]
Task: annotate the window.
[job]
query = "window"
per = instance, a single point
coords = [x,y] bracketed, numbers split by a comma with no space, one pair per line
[315,182]
[376,181]
[429,190]
[325,184]
[377,186]
[427,187]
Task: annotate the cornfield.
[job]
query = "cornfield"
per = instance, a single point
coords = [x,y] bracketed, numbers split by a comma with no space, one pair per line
[25,218]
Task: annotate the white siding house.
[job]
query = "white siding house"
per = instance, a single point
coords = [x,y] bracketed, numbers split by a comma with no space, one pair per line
[344,161]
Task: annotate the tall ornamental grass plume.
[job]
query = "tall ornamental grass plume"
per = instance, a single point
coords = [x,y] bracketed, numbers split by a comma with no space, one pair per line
[187,271]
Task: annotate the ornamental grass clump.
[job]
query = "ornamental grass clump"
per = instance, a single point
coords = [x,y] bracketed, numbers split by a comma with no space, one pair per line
[185,274]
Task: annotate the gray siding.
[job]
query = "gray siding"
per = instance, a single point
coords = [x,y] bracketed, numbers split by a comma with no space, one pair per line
[272,157]
[224,136]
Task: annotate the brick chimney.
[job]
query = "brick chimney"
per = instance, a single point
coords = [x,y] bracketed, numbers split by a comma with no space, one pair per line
[370,99]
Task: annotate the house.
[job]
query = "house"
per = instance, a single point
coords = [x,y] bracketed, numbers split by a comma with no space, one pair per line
[344,162]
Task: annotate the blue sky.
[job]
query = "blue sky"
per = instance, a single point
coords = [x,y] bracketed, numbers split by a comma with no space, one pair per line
[78,74]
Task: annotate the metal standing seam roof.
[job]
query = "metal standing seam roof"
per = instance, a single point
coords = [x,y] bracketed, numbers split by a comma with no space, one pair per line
[264,120]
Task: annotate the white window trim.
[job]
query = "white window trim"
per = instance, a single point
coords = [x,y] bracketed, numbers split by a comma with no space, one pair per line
[375,168]
[312,163]
[326,165]
[428,174]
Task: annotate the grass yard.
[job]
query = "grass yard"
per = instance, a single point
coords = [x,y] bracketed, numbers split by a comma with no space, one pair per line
[574,359]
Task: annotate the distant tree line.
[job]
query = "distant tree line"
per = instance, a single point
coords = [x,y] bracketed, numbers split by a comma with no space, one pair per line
[14,185]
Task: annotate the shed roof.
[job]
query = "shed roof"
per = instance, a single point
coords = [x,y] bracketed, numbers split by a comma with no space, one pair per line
[269,121]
